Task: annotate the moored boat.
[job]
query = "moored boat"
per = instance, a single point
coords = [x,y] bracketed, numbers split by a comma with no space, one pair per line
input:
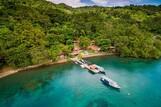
[87,65]
[109,82]
[83,65]
[93,70]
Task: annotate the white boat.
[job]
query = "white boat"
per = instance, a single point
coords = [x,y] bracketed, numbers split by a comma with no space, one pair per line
[76,62]
[110,82]
[91,67]
[95,71]
[82,66]
[100,68]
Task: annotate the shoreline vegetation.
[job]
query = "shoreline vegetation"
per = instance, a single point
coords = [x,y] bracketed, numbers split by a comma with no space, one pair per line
[9,71]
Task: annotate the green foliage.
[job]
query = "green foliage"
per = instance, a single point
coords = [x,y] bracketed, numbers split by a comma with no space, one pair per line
[59,49]
[18,56]
[153,24]
[103,43]
[33,31]
[84,42]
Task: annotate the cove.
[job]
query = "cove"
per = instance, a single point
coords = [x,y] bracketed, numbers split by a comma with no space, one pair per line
[68,85]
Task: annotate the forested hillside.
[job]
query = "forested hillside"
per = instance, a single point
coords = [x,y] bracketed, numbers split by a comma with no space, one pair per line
[34,31]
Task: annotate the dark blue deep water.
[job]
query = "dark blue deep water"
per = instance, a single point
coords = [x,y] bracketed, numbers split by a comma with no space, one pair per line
[68,85]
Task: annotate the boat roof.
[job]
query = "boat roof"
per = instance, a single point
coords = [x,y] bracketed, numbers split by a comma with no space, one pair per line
[110,80]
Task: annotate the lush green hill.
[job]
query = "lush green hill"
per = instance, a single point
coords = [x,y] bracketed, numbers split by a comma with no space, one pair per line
[33,31]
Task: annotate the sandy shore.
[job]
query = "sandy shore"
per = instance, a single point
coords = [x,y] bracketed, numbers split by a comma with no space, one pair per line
[7,72]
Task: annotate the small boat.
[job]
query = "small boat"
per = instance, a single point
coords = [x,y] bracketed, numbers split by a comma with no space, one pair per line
[83,65]
[86,65]
[100,68]
[94,71]
[110,82]
[76,62]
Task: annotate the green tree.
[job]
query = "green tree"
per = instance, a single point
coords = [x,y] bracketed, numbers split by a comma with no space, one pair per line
[84,42]
[103,43]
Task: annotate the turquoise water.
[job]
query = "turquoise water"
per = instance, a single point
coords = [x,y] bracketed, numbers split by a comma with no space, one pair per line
[70,86]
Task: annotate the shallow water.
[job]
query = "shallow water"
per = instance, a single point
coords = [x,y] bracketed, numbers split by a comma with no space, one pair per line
[68,85]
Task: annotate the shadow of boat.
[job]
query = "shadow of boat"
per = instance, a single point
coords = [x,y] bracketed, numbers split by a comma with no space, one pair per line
[91,72]
[104,73]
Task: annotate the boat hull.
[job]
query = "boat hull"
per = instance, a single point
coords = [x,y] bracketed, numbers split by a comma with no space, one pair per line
[108,84]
